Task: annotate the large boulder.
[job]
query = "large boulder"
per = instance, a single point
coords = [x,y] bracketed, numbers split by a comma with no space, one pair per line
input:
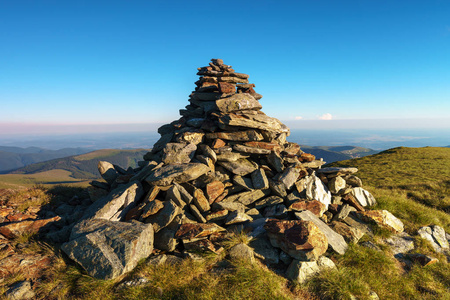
[107,249]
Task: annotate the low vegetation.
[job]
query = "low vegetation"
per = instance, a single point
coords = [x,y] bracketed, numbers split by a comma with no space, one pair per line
[411,183]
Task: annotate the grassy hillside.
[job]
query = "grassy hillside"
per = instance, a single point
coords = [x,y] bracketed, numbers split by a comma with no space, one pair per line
[46,178]
[85,166]
[412,183]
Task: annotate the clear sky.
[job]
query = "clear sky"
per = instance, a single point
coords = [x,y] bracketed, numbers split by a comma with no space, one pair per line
[121,62]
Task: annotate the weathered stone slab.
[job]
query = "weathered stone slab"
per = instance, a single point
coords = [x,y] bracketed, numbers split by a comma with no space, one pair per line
[236,217]
[174,194]
[178,153]
[335,240]
[238,102]
[231,156]
[289,177]
[258,121]
[108,249]
[191,137]
[180,173]
[164,216]
[382,218]
[250,150]
[247,198]
[116,205]
[400,243]
[240,167]
[269,201]
[259,179]
[107,171]
[248,135]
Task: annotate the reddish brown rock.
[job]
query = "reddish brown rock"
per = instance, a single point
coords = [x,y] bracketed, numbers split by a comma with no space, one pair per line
[222,196]
[11,230]
[218,143]
[195,231]
[4,212]
[314,206]
[214,190]
[264,145]
[302,240]
[227,88]
[307,157]
[20,217]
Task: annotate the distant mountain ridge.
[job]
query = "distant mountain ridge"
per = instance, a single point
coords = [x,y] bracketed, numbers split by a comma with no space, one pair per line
[12,158]
[84,166]
[337,153]
[34,159]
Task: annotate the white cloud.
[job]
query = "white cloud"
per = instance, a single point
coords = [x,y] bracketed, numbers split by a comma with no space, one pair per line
[298,117]
[326,116]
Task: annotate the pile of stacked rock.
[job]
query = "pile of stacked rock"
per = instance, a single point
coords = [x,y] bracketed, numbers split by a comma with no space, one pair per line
[223,166]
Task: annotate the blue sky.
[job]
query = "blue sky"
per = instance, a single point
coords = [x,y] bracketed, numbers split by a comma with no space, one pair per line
[122,62]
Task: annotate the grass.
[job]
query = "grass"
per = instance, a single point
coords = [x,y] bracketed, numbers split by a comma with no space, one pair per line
[47,178]
[412,183]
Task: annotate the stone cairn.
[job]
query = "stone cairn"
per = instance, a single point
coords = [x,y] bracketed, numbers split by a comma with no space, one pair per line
[223,166]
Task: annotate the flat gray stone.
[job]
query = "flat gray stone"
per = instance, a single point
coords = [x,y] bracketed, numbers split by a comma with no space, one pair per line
[240,167]
[400,243]
[179,173]
[178,153]
[107,171]
[335,240]
[238,102]
[164,216]
[116,205]
[289,177]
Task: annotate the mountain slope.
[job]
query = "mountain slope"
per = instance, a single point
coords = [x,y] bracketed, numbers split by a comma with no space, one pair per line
[85,166]
[412,183]
[12,158]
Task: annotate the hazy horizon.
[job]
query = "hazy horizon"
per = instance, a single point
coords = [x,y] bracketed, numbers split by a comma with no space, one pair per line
[116,62]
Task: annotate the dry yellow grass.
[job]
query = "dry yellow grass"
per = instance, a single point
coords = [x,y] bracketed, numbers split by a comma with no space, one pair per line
[47,178]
